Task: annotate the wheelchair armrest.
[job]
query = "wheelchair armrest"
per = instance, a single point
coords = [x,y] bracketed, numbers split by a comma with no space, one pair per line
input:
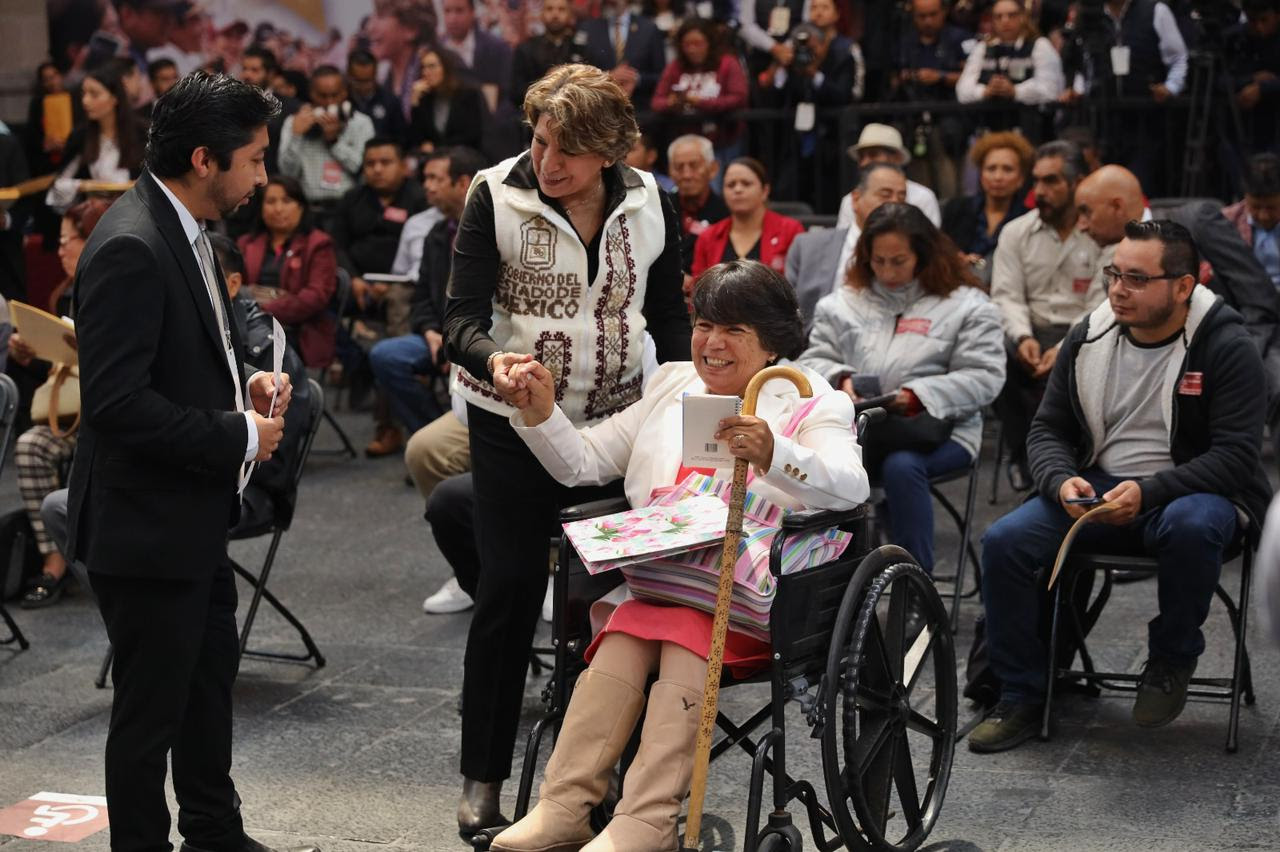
[594,509]
[821,519]
[868,414]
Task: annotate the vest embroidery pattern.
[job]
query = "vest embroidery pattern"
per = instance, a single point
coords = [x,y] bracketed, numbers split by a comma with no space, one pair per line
[610,393]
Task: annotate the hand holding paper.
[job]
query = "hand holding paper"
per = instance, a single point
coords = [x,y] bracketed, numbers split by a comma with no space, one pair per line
[270,394]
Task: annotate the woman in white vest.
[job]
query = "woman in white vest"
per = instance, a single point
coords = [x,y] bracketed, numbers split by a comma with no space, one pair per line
[566,256]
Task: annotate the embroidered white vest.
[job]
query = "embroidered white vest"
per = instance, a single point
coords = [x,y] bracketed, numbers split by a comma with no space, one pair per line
[590,335]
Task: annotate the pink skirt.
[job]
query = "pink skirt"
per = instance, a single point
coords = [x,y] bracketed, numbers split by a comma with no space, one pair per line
[689,628]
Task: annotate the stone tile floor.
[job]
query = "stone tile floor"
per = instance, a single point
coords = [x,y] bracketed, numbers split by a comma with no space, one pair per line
[362,754]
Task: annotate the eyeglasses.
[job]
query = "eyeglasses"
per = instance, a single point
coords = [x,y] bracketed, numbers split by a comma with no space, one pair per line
[1134,282]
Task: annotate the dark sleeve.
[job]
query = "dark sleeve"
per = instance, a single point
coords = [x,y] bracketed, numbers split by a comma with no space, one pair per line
[423,315]
[340,230]
[837,82]
[521,73]
[664,309]
[116,289]
[471,109]
[1237,410]
[468,313]
[655,62]
[421,124]
[1237,275]
[14,167]
[1055,432]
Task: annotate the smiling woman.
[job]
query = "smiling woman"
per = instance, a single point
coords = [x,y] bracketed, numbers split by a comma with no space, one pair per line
[565,255]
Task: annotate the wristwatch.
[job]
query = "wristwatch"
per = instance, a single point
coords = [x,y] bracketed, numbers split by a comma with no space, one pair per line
[488,363]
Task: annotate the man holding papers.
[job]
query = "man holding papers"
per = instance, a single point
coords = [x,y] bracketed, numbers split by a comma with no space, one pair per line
[169,424]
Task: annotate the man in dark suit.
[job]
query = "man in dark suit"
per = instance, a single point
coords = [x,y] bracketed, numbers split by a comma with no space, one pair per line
[165,443]
[13,267]
[627,45]
[486,59]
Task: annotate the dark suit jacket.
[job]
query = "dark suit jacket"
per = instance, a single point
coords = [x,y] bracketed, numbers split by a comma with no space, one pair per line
[811,268]
[464,126]
[153,485]
[427,304]
[490,63]
[645,51]
[308,277]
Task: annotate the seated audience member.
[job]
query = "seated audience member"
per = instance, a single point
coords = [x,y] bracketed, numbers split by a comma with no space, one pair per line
[703,83]
[485,59]
[258,67]
[1112,196]
[163,76]
[752,231]
[538,54]
[416,227]
[930,58]
[1257,217]
[880,143]
[270,495]
[692,162]
[1015,64]
[911,321]
[108,146]
[446,110]
[626,44]
[42,453]
[371,98]
[1104,430]
[1253,59]
[366,229]
[818,261]
[974,222]
[1084,139]
[322,144]
[1043,282]
[644,156]
[45,140]
[746,315]
[404,366]
[290,268]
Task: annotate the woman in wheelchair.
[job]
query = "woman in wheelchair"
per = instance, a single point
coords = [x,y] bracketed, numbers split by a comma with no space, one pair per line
[745,318]
[911,325]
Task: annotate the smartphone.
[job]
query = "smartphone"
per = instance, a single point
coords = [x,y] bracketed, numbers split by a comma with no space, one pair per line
[1084,501]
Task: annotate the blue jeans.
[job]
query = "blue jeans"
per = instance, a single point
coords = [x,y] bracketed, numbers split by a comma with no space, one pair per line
[1187,537]
[412,403]
[905,478]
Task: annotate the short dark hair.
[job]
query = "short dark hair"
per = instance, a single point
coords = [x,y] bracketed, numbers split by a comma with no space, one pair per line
[464,162]
[864,175]
[1180,256]
[1262,175]
[298,80]
[264,53]
[325,71]
[746,292]
[1073,164]
[752,165]
[213,111]
[158,65]
[229,257]
[360,56]
[380,141]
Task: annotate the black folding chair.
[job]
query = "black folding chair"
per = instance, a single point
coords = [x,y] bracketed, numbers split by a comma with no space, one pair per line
[277,528]
[1078,566]
[8,414]
[342,298]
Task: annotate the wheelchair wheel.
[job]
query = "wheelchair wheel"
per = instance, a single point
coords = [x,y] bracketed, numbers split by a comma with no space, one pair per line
[781,842]
[889,721]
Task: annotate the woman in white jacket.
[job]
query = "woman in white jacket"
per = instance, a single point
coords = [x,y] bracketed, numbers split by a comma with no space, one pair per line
[910,321]
[745,318]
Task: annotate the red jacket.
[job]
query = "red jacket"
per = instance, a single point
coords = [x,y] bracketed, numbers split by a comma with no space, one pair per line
[777,232]
[707,118]
[308,277]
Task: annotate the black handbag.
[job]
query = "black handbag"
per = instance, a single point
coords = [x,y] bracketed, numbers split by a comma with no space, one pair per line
[921,433]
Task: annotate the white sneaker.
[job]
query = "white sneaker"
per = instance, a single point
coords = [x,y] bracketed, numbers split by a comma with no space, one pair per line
[450,598]
[547,601]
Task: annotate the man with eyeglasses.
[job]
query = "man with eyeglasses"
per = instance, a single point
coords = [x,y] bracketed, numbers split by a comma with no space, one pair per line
[1155,405]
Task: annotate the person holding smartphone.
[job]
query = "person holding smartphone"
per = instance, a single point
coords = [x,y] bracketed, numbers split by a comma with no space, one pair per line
[1154,406]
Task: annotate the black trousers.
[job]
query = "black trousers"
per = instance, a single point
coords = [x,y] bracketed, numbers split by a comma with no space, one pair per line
[517,504]
[451,514]
[1020,397]
[176,658]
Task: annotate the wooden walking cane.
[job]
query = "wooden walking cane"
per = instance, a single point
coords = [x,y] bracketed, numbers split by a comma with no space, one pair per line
[720,624]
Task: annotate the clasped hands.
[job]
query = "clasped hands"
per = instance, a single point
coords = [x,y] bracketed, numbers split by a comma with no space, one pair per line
[268,419]
[527,385]
[1035,362]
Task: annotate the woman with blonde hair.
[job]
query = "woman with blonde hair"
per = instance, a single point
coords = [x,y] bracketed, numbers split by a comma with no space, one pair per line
[567,256]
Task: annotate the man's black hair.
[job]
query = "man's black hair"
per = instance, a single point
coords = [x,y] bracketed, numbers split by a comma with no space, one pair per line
[229,257]
[1179,256]
[1073,164]
[1262,176]
[464,162]
[213,111]
[326,71]
[379,141]
[360,56]
[158,65]
[264,53]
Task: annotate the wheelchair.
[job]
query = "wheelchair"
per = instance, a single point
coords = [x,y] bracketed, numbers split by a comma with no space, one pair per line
[861,645]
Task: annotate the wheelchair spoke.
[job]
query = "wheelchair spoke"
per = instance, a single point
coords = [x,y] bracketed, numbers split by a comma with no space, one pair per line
[872,700]
[896,630]
[876,668]
[922,724]
[874,737]
[904,778]
[918,655]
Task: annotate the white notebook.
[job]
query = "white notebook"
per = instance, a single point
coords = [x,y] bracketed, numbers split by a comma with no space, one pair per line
[702,415]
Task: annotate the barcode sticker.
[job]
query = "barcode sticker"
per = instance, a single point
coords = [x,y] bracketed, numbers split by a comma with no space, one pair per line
[711,448]
[702,416]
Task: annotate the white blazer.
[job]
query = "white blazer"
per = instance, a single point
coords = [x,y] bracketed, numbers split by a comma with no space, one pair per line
[819,467]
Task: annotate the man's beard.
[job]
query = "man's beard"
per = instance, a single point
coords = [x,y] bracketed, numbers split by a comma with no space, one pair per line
[224,200]
[1157,317]
[1055,216]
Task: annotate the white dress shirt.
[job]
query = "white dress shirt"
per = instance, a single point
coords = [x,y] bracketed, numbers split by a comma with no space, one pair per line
[409,249]
[191,230]
[846,255]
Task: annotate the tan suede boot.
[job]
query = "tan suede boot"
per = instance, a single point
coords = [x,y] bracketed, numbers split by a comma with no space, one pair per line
[597,724]
[658,779]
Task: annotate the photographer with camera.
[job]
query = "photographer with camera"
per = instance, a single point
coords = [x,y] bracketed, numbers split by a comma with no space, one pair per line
[322,144]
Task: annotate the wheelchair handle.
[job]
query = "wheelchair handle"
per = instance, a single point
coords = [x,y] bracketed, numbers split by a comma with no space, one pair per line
[720,623]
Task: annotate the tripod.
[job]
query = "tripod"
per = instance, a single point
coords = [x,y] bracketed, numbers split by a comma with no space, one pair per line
[1206,69]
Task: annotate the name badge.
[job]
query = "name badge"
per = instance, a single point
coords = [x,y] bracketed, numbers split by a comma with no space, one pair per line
[1120,60]
[1192,384]
[331,175]
[779,21]
[395,214]
[1080,286]
[913,325]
